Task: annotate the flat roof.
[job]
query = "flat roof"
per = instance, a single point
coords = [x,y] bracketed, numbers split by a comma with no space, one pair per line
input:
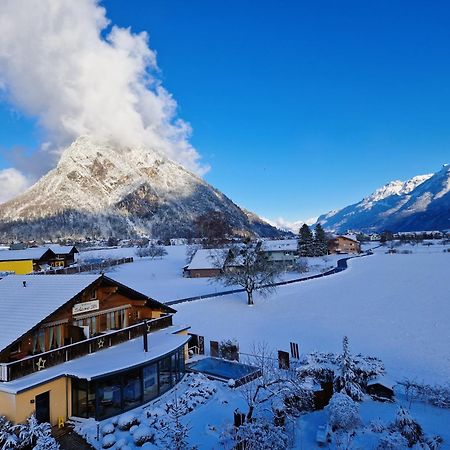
[105,362]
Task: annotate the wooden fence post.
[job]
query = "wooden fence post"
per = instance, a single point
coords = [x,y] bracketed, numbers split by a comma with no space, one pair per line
[283,360]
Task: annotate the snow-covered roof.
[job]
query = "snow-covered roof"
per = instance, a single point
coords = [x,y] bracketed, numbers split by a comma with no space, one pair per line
[384,381]
[19,255]
[280,245]
[352,237]
[22,308]
[62,249]
[117,358]
[208,259]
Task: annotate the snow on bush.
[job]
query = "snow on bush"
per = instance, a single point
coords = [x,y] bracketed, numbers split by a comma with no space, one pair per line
[437,395]
[260,434]
[126,421]
[121,443]
[199,390]
[31,434]
[46,443]
[407,427]
[346,380]
[108,441]
[108,428]
[133,429]
[142,435]
[392,441]
[404,432]
[344,413]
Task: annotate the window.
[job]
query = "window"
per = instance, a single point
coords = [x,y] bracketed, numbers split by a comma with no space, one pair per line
[132,389]
[150,381]
[15,348]
[164,375]
[115,394]
[109,397]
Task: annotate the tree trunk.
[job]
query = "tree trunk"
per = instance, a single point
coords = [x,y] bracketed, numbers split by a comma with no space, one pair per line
[250,298]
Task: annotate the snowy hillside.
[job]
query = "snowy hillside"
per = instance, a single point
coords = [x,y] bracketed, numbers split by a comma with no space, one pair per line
[99,189]
[421,203]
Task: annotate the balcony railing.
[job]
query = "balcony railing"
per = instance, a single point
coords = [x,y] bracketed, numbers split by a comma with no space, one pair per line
[17,369]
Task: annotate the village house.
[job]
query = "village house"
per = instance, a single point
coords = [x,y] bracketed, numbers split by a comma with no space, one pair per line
[37,258]
[344,244]
[206,263]
[64,255]
[283,251]
[83,346]
[25,261]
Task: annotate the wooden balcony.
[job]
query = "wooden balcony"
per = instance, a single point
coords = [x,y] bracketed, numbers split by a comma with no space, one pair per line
[17,369]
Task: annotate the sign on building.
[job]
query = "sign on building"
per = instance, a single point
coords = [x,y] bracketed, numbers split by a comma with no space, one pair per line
[84,307]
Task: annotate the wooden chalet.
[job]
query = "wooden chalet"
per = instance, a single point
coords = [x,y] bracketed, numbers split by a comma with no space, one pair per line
[63,337]
[206,263]
[344,244]
[64,255]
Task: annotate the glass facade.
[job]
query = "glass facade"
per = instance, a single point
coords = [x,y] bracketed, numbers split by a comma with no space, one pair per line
[114,394]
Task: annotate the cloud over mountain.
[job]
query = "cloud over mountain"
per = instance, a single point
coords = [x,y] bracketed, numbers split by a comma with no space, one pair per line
[64,63]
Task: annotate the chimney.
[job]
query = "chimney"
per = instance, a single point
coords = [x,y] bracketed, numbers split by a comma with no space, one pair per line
[24,283]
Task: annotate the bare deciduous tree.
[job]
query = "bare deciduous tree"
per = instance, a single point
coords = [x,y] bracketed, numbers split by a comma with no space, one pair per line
[247,266]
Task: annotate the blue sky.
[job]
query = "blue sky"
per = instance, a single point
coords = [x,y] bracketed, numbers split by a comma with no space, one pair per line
[298,107]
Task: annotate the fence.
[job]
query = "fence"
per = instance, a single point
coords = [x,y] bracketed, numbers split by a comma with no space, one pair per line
[17,369]
[86,267]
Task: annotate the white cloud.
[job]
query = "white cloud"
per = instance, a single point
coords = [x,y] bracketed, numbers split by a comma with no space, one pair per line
[12,182]
[61,63]
[290,225]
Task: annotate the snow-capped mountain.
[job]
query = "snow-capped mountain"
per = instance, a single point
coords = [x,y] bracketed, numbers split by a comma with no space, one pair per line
[421,203]
[99,189]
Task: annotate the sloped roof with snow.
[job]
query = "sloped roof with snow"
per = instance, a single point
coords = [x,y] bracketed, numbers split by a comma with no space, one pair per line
[20,255]
[208,259]
[22,308]
[352,237]
[62,249]
[280,245]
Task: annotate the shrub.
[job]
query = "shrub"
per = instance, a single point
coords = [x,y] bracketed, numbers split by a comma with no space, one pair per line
[142,435]
[344,413]
[108,441]
[108,429]
[228,349]
[126,421]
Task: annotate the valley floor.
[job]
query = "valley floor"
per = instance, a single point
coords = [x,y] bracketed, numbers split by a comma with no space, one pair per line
[393,306]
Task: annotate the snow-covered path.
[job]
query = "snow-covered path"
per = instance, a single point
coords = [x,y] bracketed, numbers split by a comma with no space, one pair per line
[396,307]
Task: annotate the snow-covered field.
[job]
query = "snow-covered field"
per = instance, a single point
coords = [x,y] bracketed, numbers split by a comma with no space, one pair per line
[396,307]
[163,278]
[393,306]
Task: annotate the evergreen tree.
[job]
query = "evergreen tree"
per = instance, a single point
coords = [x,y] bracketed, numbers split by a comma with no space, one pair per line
[347,380]
[320,241]
[408,427]
[305,241]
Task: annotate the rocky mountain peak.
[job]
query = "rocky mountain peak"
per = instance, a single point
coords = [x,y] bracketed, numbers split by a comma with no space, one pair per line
[119,190]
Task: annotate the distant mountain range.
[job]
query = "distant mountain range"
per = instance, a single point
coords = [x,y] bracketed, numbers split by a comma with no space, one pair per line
[99,189]
[419,204]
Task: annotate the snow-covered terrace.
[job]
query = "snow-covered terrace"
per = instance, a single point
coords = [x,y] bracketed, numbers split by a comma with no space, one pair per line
[109,361]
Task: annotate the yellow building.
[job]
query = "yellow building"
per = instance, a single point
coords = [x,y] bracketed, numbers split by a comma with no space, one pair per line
[26,261]
[77,346]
